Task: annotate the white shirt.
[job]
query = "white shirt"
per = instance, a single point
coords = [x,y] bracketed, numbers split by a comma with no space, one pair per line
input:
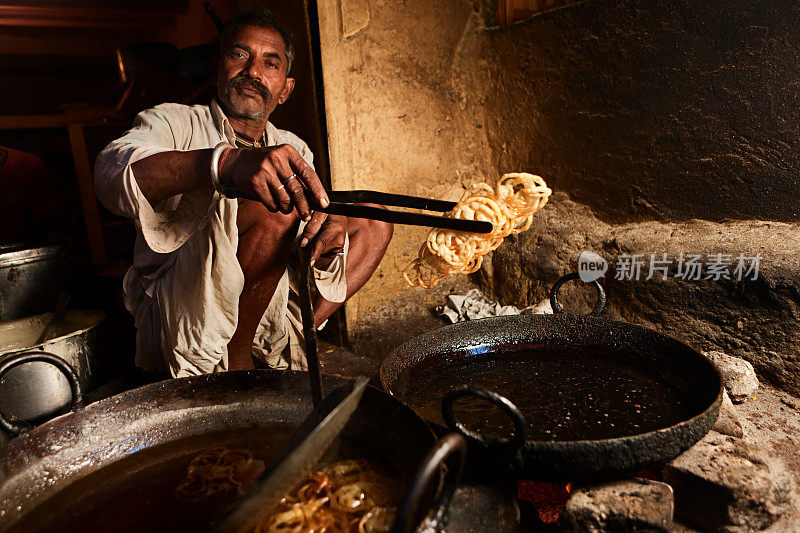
[183,288]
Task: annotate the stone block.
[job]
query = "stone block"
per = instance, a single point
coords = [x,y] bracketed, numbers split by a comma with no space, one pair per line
[738,375]
[355,17]
[542,308]
[724,484]
[626,505]
[488,508]
[728,422]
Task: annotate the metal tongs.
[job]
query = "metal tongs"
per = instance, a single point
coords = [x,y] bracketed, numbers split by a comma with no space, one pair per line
[321,428]
[314,436]
[342,203]
[306,446]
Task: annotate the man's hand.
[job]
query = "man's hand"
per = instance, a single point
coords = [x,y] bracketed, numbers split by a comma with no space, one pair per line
[265,173]
[330,232]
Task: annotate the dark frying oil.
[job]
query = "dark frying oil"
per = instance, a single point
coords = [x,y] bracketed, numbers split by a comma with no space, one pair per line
[137,493]
[565,394]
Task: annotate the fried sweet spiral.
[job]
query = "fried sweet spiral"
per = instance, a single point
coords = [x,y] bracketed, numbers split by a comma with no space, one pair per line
[352,496]
[509,207]
[215,471]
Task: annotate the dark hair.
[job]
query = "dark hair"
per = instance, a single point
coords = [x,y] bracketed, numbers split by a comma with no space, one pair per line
[260,17]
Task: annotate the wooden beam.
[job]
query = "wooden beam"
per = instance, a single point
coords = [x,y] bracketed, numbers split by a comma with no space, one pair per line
[79,17]
[91,215]
[86,116]
[22,122]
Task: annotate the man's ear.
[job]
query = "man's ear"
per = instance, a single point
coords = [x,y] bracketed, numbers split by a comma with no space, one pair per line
[287,90]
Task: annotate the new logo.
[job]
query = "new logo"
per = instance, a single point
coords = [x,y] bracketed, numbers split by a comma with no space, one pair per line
[591,266]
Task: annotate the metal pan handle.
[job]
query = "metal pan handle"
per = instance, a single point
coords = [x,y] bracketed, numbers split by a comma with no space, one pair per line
[519,436]
[599,307]
[10,362]
[450,451]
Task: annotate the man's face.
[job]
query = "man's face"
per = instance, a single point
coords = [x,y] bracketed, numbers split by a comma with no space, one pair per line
[252,77]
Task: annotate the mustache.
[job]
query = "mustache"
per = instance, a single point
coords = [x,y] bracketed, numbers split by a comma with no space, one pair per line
[242,82]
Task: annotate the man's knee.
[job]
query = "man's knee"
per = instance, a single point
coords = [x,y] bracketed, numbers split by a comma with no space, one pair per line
[381,232]
[377,232]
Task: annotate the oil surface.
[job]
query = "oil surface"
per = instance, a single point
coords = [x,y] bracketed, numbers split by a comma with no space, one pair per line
[137,493]
[565,394]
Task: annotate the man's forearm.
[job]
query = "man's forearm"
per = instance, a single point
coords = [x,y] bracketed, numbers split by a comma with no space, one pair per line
[166,174]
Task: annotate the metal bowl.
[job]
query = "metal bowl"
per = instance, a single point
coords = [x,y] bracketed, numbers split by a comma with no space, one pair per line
[36,390]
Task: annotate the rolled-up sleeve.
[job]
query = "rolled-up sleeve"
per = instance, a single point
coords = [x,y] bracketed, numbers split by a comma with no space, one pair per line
[167,225]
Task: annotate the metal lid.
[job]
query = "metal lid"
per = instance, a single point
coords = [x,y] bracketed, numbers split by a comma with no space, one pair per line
[21,253]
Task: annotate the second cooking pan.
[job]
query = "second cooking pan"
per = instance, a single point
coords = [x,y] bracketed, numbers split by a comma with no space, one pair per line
[583,397]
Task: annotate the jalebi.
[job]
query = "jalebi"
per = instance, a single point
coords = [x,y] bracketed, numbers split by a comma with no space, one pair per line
[509,207]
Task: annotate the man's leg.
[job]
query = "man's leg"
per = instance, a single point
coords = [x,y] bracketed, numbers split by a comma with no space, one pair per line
[265,244]
[368,242]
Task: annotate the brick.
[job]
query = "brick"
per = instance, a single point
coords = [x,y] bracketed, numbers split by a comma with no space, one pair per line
[724,484]
[626,505]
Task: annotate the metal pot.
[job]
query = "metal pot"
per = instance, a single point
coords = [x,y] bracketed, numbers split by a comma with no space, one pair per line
[29,280]
[35,390]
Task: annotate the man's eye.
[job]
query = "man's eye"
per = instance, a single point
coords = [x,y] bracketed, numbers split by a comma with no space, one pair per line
[236,55]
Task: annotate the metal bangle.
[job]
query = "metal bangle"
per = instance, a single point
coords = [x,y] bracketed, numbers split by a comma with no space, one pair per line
[215,155]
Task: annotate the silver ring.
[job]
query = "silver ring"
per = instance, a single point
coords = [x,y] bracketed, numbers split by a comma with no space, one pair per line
[281,187]
[285,181]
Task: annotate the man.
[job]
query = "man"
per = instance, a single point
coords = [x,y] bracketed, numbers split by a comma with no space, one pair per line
[210,283]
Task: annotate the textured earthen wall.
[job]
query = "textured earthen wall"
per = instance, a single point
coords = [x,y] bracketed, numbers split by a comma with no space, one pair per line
[640,109]
[400,96]
[648,109]
[644,112]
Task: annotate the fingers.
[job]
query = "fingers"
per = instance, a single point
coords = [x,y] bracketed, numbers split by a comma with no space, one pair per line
[309,178]
[312,228]
[282,199]
[264,191]
[329,239]
[288,162]
[295,189]
[278,177]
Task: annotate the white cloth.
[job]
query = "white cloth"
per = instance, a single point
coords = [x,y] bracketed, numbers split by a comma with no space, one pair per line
[183,288]
[475,305]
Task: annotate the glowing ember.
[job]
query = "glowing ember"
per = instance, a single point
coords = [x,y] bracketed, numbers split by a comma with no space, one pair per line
[549,499]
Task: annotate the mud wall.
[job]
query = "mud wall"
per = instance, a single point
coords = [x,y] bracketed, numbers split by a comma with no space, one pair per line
[641,110]
[400,111]
[654,110]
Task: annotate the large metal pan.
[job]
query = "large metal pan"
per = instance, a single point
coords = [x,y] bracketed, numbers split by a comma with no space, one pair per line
[94,447]
[568,437]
